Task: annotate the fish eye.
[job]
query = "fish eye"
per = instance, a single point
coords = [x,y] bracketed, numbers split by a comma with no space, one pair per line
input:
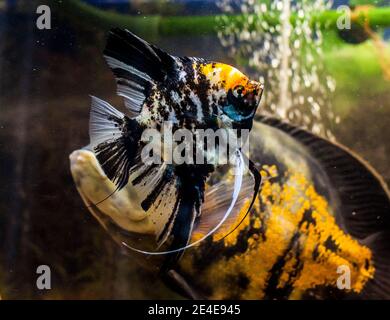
[238,90]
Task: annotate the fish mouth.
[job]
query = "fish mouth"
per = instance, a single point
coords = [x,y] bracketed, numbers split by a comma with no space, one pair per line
[242,108]
[252,99]
[254,96]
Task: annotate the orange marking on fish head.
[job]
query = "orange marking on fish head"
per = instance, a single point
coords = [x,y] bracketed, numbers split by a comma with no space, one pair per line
[228,78]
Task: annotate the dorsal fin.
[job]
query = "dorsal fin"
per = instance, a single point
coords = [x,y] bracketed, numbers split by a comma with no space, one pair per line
[137,66]
[364,198]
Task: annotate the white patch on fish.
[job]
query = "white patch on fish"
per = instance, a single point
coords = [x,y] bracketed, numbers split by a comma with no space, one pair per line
[199,112]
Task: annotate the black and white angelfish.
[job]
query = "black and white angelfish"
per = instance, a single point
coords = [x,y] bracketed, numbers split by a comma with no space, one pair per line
[190,93]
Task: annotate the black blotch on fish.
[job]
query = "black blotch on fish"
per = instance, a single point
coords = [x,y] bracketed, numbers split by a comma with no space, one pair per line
[191,180]
[156,191]
[236,284]
[331,244]
[308,218]
[118,157]
[272,291]
[242,281]
[315,253]
[293,250]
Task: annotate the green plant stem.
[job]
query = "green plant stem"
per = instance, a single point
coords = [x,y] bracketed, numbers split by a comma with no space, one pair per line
[153,26]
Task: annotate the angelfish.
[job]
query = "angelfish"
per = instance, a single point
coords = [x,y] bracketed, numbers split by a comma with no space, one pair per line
[191,93]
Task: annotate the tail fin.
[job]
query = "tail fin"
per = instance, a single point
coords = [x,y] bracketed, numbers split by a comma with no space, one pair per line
[379,286]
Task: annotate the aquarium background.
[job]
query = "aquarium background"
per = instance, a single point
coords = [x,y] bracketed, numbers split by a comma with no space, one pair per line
[46,77]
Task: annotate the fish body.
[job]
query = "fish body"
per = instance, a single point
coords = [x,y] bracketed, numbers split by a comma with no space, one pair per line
[290,247]
[158,88]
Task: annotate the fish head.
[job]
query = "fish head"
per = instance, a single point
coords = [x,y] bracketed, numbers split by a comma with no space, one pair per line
[236,95]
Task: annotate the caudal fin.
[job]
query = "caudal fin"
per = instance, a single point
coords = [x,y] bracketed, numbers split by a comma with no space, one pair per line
[379,286]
